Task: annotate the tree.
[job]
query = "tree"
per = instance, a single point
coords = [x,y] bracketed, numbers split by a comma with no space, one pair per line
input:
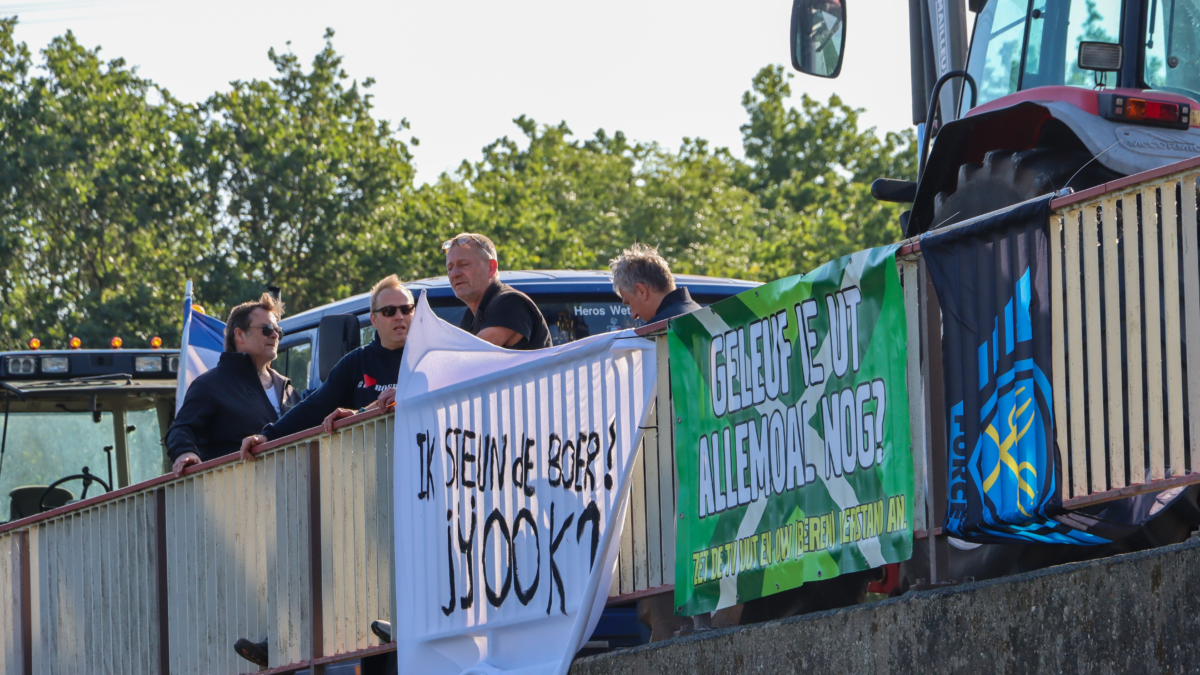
[113,193]
[301,178]
[812,170]
[97,211]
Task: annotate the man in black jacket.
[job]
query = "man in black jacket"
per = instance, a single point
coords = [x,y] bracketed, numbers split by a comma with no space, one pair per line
[643,280]
[360,377]
[237,397]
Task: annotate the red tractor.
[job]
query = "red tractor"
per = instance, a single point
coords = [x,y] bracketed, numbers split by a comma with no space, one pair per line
[1046,96]
[1050,94]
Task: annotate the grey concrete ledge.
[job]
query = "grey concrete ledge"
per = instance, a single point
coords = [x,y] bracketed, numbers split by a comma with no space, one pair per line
[1134,613]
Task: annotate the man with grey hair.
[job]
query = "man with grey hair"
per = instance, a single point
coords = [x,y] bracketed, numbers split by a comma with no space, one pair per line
[643,280]
[496,312]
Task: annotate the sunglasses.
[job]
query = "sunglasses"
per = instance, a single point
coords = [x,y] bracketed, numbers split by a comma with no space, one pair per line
[269,329]
[390,310]
[465,241]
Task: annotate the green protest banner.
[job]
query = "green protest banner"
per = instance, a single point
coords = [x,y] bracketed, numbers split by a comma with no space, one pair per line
[792,434]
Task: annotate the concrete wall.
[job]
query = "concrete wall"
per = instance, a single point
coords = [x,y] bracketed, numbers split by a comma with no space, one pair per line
[1134,613]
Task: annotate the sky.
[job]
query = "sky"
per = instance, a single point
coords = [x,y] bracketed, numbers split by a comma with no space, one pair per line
[461,70]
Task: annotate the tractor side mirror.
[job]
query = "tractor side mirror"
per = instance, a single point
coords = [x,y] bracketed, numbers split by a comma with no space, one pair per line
[337,336]
[818,36]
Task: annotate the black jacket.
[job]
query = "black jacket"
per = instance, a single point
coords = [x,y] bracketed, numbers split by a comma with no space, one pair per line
[355,382]
[675,303]
[223,406]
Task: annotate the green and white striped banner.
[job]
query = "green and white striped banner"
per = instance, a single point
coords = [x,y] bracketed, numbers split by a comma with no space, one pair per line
[792,435]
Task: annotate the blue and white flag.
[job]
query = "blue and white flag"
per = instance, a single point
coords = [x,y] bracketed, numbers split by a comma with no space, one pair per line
[203,342]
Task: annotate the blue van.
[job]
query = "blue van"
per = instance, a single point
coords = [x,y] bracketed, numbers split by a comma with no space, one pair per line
[576,304]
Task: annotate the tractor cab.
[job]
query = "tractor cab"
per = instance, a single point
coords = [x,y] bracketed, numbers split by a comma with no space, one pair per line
[1020,45]
[1044,96]
[78,423]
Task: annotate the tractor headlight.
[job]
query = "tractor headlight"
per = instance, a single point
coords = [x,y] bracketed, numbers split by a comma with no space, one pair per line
[148,364]
[57,365]
[20,365]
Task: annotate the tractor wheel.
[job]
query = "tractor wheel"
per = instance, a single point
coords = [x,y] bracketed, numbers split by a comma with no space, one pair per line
[1006,178]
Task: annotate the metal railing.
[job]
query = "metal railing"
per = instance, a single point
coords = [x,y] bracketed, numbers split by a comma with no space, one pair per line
[162,577]
[1126,281]
[297,546]
[646,563]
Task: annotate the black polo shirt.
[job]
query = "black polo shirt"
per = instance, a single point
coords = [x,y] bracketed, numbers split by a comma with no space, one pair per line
[506,307]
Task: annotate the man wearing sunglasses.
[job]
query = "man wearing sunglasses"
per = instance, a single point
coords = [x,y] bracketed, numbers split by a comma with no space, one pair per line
[360,377]
[496,312]
[237,397]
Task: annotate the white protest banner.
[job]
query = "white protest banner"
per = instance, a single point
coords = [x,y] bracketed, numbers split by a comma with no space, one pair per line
[511,480]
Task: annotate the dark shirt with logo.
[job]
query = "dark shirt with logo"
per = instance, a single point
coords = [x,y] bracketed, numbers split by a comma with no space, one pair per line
[355,382]
[506,307]
[225,405]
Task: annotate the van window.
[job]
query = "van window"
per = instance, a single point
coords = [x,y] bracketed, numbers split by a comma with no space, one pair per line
[293,363]
[568,320]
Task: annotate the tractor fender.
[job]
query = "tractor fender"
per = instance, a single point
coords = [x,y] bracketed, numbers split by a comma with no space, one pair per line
[1131,148]
[1029,124]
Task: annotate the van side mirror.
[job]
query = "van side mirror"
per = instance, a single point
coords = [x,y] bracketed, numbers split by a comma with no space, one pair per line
[337,336]
[818,36]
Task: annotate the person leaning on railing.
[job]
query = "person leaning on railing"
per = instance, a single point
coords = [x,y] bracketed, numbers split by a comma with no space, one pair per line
[360,378]
[643,280]
[238,397]
[496,312]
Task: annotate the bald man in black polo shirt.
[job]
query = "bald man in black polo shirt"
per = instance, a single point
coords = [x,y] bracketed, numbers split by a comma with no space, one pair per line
[496,312]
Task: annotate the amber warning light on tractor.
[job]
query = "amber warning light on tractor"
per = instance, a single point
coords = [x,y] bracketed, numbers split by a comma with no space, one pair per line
[1145,111]
[75,343]
[155,342]
[35,343]
[115,343]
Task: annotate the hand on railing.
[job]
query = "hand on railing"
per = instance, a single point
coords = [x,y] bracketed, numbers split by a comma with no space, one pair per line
[248,444]
[183,461]
[387,398]
[334,416]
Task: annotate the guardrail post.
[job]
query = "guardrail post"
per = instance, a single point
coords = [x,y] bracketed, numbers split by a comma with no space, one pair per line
[935,427]
[160,564]
[314,553]
[26,604]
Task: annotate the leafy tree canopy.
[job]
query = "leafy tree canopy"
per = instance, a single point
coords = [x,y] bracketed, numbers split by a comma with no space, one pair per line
[113,193]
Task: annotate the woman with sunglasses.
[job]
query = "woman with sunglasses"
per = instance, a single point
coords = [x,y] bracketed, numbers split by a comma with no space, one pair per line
[237,397]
